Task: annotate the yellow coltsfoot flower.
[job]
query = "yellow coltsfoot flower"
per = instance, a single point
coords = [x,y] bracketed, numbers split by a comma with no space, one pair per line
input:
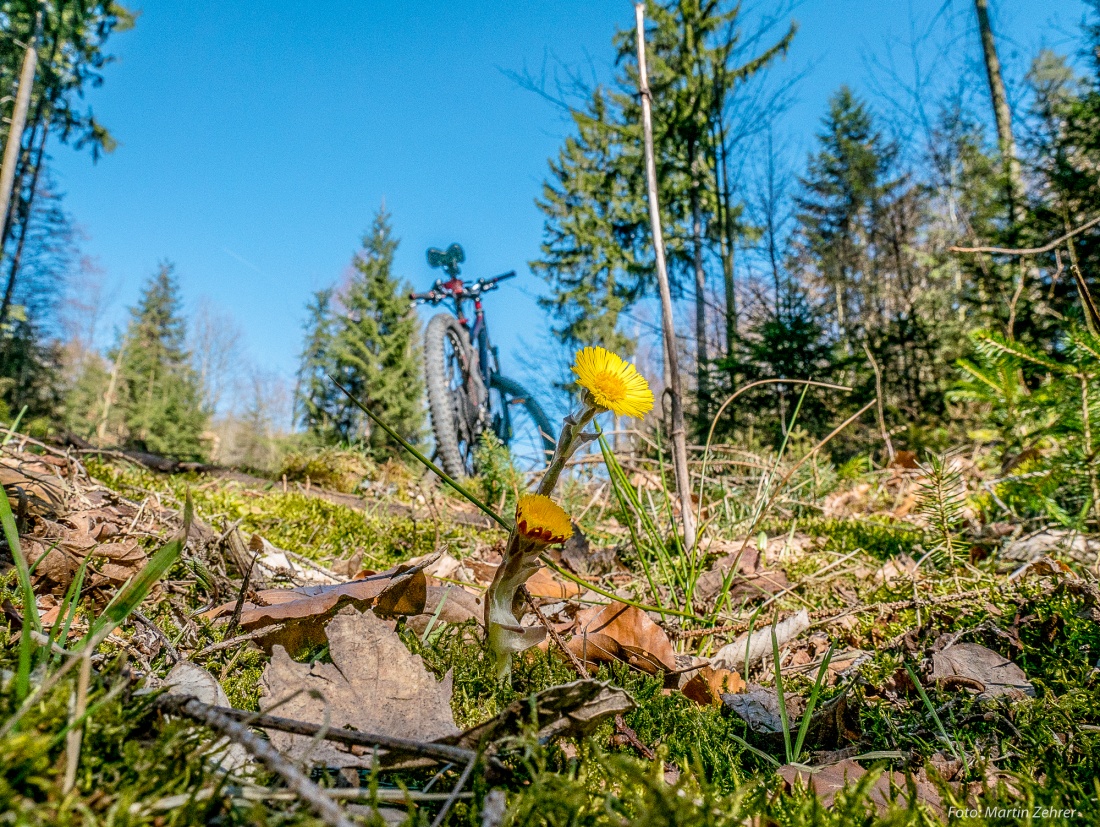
[542,520]
[612,383]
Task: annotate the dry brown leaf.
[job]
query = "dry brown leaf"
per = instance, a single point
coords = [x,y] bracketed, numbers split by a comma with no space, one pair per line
[889,788]
[297,616]
[35,482]
[374,684]
[972,662]
[707,686]
[605,634]
[758,706]
[544,583]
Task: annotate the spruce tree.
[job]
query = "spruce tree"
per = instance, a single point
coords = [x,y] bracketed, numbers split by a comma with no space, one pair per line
[861,222]
[844,191]
[597,254]
[158,397]
[592,254]
[376,347]
[316,398]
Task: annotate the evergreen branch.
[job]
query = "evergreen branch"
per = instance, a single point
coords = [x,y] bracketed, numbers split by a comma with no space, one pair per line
[987,340]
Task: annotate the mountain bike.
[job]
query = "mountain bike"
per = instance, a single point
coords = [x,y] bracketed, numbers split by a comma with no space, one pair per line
[467,394]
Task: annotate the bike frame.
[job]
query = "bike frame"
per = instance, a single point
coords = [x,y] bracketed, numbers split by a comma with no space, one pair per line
[459,293]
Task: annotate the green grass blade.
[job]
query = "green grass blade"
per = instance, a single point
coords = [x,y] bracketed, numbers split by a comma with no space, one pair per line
[69,605]
[22,572]
[14,426]
[932,711]
[782,698]
[757,752]
[620,487]
[811,704]
[135,591]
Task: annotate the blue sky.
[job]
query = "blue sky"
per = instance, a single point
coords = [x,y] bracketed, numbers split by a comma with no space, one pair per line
[256,140]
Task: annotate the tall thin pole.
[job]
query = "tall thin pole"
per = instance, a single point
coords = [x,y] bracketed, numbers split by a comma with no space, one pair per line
[1002,114]
[679,439]
[18,120]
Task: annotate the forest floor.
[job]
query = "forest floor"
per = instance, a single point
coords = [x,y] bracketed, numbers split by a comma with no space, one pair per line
[837,668]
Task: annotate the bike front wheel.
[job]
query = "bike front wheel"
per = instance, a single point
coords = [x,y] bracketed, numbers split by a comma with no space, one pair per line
[520,423]
[448,374]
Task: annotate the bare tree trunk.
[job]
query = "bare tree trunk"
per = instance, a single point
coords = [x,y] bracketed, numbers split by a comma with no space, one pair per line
[701,351]
[728,250]
[18,120]
[1006,143]
[27,206]
[679,439]
[109,395]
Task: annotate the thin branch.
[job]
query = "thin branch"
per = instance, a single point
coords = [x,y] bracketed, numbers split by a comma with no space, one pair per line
[573,659]
[444,752]
[1029,251]
[217,719]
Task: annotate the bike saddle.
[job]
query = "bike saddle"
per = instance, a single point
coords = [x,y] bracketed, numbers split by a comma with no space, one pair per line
[447,260]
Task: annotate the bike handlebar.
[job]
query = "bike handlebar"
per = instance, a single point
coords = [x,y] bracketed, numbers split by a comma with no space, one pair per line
[464,290]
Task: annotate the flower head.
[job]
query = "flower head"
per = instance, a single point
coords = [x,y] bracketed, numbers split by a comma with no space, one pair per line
[541,520]
[613,383]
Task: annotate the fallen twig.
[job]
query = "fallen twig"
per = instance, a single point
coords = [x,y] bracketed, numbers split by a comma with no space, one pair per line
[445,752]
[238,607]
[233,641]
[573,659]
[161,636]
[217,719]
[823,617]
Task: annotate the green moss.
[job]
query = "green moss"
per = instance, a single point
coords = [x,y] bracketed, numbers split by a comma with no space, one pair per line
[306,525]
[880,538]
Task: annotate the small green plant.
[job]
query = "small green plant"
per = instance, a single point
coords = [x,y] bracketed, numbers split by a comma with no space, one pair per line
[498,476]
[340,469]
[940,501]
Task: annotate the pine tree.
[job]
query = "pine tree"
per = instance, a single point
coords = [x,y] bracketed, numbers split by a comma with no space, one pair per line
[597,254]
[376,347]
[592,253]
[844,192]
[315,397]
[158,406]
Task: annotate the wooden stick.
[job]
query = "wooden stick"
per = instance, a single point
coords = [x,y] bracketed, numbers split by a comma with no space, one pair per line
[573,659]
[677,431]
[1029,251]
[217,719]
[445,752]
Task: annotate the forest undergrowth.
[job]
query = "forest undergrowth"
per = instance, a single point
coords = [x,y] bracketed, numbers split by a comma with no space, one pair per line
[883,574]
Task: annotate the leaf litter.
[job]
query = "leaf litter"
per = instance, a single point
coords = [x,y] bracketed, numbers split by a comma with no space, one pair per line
[334,695]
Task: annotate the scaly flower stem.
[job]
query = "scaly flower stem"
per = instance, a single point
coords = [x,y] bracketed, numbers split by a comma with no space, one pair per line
[571,438]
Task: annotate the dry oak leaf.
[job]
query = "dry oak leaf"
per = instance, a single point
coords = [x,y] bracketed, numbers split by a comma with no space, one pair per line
[973,663]
[617,632]
[707,686]
[374,684]
[889,788]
